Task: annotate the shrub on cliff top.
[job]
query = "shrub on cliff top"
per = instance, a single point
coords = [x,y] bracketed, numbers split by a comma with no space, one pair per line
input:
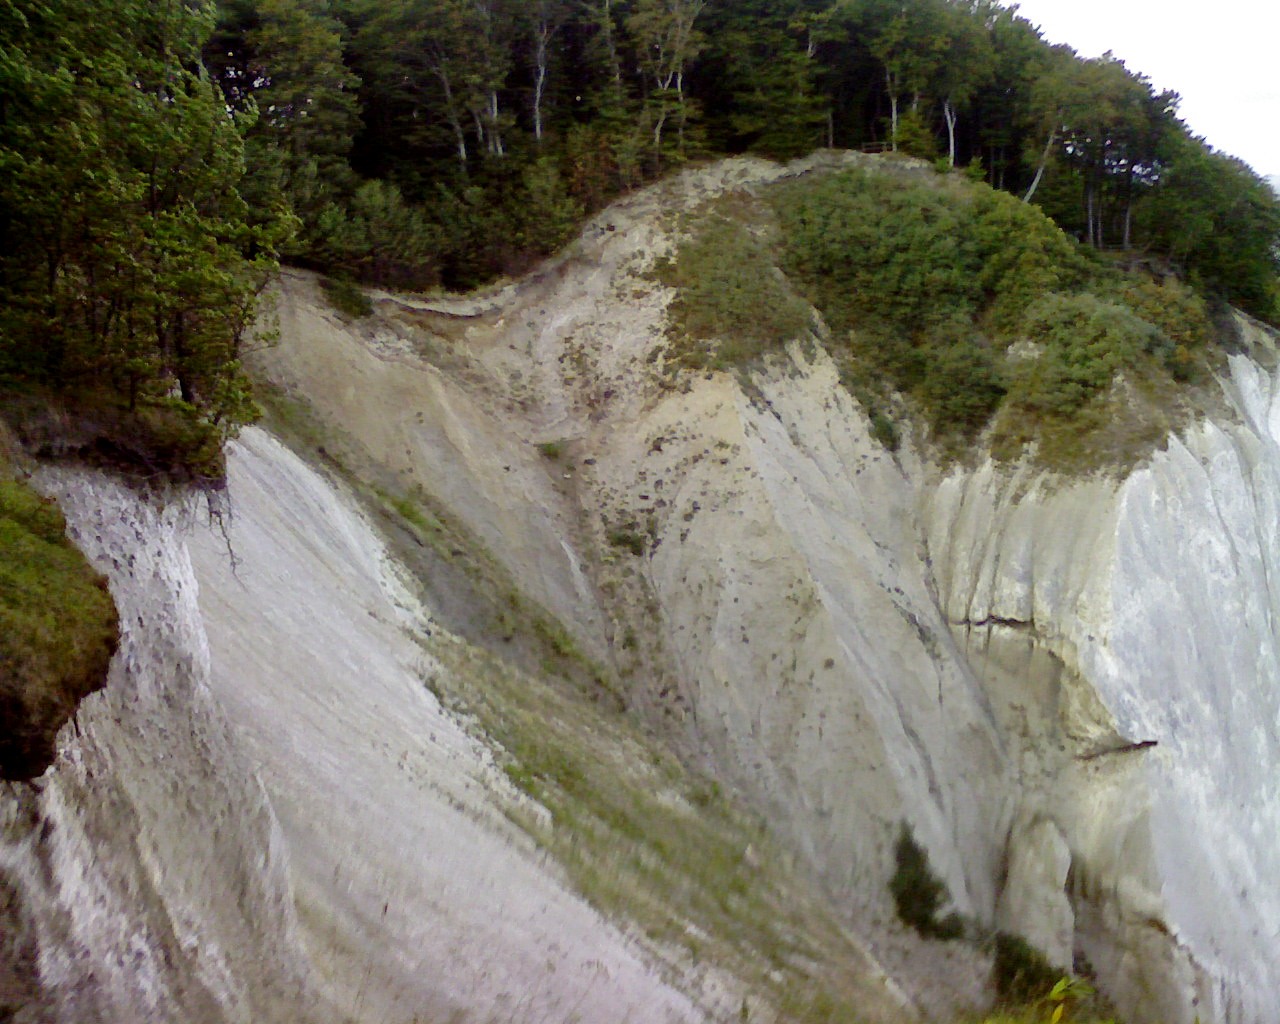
[731,304]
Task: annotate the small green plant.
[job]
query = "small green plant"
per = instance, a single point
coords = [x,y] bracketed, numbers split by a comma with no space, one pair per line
[629,539]
[347,297]
[885,431]
[1020,973]
[919,894]
[552,450]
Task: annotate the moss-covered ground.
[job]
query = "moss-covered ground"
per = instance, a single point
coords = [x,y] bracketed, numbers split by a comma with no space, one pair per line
[58,624]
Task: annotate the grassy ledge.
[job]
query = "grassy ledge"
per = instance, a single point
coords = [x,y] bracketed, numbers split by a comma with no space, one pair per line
[58,625]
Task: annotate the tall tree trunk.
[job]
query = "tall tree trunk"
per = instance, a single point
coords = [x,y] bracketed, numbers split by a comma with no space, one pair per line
[451,114]
[1044,160]
[681,113]
[496,147]
[891,85]
[611,45]
[1128,204]
[540,76]
[949,112]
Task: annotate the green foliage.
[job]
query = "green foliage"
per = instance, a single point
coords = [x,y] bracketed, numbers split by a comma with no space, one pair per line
[1017,255]
[885,431]
[1212,216]
[968,302]
[378,238]
[472,108]
[1020,973]
[347,297]
[127,255]
[914,136]
[731,305]
[58,628]
[1083,343]
[918,894]
[629,539]
[875,251]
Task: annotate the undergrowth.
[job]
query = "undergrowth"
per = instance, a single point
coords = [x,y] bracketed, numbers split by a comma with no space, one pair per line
[58,625]
[972,306]
[732,305]
[347,297]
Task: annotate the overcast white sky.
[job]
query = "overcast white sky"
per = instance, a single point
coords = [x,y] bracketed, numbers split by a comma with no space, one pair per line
[1222,56]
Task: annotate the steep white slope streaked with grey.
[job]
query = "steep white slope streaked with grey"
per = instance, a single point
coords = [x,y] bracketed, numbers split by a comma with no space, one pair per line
[1155,601]
[1068,688]
[266,816]
[1059,684]
[146,869]
[416,896]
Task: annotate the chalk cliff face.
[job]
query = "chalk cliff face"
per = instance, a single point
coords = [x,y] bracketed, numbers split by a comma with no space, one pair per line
[1069,689]
[1151,609]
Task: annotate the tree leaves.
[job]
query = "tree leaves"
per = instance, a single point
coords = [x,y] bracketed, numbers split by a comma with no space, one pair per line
[127,257]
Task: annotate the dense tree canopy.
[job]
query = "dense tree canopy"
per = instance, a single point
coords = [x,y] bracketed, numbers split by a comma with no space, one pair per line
[129,262]
[503,120]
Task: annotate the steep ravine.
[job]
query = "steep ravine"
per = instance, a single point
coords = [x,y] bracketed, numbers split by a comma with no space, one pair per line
[1066,687]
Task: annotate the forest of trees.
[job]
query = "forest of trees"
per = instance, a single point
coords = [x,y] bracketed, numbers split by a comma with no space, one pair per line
[454,140]
[157,158]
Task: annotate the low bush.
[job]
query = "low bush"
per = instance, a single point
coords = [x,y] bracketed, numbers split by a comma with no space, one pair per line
[1020,973]
[731,305]
[347,297]
[1083,342]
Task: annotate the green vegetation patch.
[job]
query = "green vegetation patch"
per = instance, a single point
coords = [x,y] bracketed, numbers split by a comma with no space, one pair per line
[58,628]
[918,894]
[977,309]
[651,844]
[347,297]
[732,305]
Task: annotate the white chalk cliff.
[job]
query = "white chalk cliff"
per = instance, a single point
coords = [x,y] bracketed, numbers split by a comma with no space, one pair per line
[1068,688]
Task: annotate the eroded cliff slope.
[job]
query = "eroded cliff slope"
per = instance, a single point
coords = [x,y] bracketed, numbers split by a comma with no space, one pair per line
[1066,688]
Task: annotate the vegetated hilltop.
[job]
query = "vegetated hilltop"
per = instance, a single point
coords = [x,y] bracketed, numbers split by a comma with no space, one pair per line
[971,306]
